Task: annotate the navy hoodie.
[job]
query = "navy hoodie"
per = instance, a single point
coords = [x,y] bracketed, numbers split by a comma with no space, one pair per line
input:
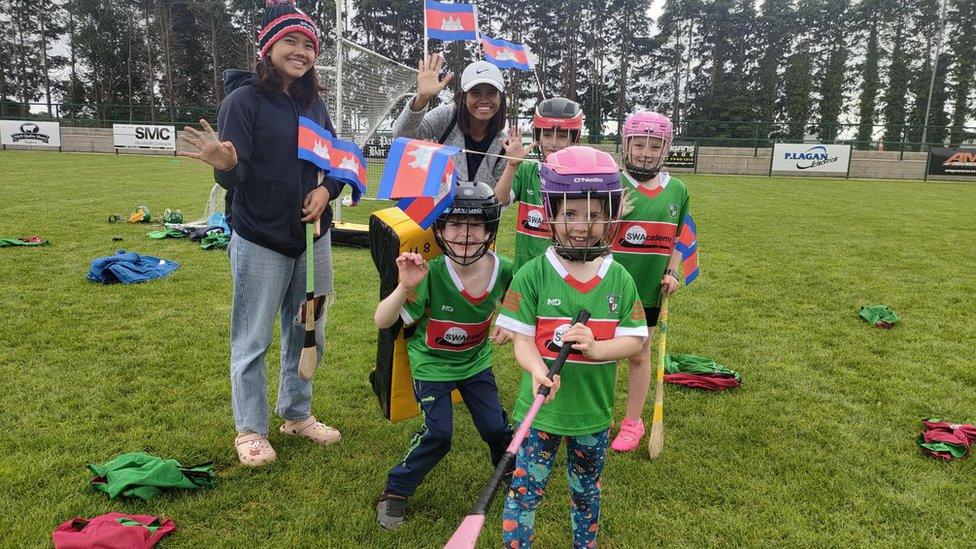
[267,188]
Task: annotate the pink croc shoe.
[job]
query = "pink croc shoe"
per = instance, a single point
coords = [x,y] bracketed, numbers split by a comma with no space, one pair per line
[629,436]
[254,450]
[311,429]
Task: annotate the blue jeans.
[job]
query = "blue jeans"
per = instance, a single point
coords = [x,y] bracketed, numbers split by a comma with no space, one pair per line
[267,284]
[433,441]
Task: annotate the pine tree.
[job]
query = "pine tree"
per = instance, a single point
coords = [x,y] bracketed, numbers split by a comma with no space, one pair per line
[895,96]
[963,46]
[831,25]
[870,83]
[775,29]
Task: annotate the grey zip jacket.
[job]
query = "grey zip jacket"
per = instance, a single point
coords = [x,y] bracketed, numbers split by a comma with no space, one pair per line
[430,124]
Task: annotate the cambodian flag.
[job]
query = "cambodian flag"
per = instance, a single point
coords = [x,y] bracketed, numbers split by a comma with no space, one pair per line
[415,168]
[687,244]
[342,160]
[506,55]
[451,21]
[425,209]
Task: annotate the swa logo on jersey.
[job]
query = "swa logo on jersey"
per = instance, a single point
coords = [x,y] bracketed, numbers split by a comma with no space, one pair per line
[456,336]
[531,221]
[644,237]
[635,235]
[445,335]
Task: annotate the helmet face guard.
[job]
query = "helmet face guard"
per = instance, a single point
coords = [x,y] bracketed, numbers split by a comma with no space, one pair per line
[470,221]
[554,117]
[584,230]
[644,156]
[647,140]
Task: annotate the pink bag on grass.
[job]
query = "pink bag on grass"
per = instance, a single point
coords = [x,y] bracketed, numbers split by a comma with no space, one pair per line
[112,531]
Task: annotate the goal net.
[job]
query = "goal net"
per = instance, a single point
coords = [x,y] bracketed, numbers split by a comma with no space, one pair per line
[365,94]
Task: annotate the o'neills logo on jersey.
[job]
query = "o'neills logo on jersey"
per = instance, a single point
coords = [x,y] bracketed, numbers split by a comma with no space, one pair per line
[531,221]
[455,336]
[549,335]
[643,237]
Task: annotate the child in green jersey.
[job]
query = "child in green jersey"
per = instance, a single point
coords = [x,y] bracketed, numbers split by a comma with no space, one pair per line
[556,125]
[451,299]
[581,197]
[654,208]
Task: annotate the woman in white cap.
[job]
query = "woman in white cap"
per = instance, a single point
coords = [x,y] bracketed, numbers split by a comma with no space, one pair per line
[474,121]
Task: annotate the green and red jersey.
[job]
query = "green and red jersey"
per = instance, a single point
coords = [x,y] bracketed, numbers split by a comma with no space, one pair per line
[450,342]
[542,302]
[532,235]
[647,233]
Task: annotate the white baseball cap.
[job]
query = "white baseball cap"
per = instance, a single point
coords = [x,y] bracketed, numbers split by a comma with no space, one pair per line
[482,72]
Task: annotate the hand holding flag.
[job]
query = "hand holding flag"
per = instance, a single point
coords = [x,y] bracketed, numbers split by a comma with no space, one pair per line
[342,160]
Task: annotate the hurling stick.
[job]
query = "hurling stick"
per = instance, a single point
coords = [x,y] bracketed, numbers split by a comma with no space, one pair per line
[655,444]
[467,533]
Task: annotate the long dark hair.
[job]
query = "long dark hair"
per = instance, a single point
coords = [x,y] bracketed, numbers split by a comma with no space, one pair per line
[305,90]
[495,124]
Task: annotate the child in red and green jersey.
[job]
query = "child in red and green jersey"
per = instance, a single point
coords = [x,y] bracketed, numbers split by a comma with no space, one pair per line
[581,198]
[655,205]
[556,125]
[451,299]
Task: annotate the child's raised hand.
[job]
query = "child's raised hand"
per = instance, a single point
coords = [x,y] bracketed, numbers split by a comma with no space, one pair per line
[630,201]
[412,269]
[581,338]
[513,144]
[539,379]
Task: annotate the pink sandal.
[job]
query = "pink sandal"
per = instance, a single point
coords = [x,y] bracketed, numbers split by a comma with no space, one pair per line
[311,429]
[254,450]
[629,436]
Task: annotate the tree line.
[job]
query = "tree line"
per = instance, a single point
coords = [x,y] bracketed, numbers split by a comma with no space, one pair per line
[833,69]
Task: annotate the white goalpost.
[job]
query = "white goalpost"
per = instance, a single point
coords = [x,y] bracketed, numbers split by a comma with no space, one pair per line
[363,88]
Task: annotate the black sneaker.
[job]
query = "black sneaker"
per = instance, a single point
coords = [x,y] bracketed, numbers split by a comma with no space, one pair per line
[390,510]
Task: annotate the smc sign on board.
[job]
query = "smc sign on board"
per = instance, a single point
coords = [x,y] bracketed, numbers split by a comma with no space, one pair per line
[144,136]
[791,157]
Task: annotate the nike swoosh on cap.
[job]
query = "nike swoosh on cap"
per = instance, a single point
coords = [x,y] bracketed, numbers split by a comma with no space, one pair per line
[481,71]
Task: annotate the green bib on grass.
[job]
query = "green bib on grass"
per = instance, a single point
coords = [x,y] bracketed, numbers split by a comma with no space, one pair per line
[144,476]
[168,233]
[879,315]
[692,364]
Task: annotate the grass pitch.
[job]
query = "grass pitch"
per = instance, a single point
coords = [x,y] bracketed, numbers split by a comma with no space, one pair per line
[815,449]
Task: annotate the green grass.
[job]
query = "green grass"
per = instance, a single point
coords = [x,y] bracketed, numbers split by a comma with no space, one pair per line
[815,449]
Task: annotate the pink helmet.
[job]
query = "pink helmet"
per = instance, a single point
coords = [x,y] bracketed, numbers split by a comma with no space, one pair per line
[581,172]
[650,125]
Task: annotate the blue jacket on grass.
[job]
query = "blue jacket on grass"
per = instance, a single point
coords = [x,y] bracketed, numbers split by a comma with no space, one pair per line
[129,268]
